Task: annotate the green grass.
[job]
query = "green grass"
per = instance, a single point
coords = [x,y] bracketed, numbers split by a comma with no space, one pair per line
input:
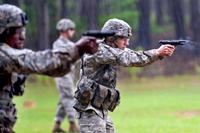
[148,105]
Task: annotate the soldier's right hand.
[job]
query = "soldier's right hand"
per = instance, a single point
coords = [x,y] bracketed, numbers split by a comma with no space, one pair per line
[165,50]
[87,45]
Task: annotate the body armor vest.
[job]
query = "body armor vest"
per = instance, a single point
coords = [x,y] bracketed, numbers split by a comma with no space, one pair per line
[7,90]
[98,89]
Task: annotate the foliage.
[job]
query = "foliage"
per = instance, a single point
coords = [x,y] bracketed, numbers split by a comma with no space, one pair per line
[155,28]
[125,10]
[198,69]
[129,16]
[134,71]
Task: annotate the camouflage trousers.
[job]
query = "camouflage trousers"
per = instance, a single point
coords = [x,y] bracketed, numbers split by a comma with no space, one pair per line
[7,118]
[90,122]
[65,104]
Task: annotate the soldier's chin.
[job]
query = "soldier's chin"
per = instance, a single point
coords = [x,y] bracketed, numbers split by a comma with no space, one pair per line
[122,48]
[20,46]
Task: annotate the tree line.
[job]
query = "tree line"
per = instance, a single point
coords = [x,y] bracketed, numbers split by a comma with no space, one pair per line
[178,18]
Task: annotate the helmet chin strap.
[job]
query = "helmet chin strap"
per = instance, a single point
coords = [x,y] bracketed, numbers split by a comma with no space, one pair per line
[115,44]
[111,42]
[114,41]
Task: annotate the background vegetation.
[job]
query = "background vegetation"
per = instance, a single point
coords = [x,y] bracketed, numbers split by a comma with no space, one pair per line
[151,21]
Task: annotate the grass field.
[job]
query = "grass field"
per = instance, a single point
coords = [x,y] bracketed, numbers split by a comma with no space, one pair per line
[158,105]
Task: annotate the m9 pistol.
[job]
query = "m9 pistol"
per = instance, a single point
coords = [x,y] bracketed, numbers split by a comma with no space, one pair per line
[98,34]
[174,42]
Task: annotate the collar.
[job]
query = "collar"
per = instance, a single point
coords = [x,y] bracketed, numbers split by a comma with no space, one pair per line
[63,38]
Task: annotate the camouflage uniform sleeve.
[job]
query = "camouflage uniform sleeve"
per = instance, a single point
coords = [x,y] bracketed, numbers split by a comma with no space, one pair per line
[61,43]
[49,62]
[126,57]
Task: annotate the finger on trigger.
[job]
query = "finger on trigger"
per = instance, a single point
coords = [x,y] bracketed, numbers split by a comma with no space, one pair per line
[91,38]
[171,46]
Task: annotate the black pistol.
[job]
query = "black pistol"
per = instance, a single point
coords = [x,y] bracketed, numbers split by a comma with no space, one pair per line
[174,42]
[98,34]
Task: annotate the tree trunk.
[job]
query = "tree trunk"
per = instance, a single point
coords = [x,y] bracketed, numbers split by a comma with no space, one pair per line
[28,2]
[107,7]
[177,15]
[195,22]
[13,2]
[42,24]
[78,7]
[90,12]
[144,38]
[159,12]
[195,19]
[63,9]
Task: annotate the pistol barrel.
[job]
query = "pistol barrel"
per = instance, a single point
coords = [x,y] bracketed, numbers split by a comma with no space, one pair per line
[173,42]
[98,34]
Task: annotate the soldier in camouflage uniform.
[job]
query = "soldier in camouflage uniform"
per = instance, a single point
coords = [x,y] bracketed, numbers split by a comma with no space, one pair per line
[65,84]
[97,93]
[15,61]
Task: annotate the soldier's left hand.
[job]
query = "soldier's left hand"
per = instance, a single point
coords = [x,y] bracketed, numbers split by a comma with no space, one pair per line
[87,45]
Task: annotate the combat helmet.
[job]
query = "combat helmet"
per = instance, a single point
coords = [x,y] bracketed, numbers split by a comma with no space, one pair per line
[120,27]
[65,24]
[11,16]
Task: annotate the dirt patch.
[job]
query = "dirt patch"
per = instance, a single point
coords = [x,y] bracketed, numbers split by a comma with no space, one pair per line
[187,114]
[29,104]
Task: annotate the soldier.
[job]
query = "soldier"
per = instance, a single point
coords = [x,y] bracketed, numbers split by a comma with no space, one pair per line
[14,60]
[97,93]
[65,84]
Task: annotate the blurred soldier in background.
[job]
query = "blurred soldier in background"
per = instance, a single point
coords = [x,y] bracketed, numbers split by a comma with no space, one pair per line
[97,93]
[65,84]
[14,60]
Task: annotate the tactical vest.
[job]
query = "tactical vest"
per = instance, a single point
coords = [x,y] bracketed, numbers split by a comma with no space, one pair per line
[5,80]
[7,108]
[98,89]
[7,90]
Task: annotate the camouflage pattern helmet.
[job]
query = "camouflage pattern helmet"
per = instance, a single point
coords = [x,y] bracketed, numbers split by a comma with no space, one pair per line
[65,24]
[11,16]
[120,27]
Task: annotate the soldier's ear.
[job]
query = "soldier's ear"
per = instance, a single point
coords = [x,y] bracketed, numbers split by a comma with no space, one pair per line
[4,35]
[110,39]
[11,31]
